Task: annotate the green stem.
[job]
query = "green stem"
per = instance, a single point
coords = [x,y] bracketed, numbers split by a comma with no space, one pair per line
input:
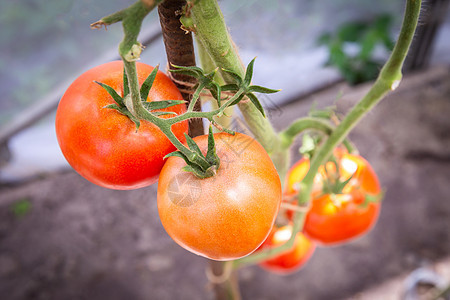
[211,32]
[288,135]
[388,80]
[208,66]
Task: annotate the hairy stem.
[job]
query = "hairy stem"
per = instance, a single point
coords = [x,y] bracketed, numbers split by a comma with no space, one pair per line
[388,80]
[211,32]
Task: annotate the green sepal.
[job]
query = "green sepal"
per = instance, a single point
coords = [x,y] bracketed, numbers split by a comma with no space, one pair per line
[341,184]
[369,198]
[112,92]
[256,103]
[126,112]
[262,90]
[177,154]
[211,155]
[192,145]
[154,105]
[114,106]
[148,83]
[230,87]
[195,170]
[133,118]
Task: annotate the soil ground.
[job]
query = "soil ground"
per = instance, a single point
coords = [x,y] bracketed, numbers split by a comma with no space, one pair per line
[62,237]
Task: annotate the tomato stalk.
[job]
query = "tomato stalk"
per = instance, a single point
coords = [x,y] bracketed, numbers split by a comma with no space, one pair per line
[212,35]
[388,80]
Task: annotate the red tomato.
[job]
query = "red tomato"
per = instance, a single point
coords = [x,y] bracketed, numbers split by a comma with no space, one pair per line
[291,260]
[226,216]
[103,145]
[338,217]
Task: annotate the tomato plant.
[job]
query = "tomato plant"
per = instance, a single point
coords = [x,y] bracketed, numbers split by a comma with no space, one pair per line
[345,201]
[291,260]
[102,144]
[226,216]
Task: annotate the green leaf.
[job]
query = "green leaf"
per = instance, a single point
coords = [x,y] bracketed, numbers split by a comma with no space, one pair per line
[249,73]
[351,32]
[126,88]
[196,170]
[21,207]
[112,93]
[230,87]
[154,105]
[190,71]
[256,102]
[192,145]
[147,85]
[211,155]
[177,154]
[235,76]
[113,106]
[261,89]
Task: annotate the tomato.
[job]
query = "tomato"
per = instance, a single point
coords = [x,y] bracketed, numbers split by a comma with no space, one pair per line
[102,144]
[350,212]
[291,260]
[226,216]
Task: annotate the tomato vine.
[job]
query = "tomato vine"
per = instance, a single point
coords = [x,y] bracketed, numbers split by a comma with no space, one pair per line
[225,73]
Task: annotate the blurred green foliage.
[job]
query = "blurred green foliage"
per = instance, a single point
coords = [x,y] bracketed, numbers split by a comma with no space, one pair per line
[21,207]
[352,48]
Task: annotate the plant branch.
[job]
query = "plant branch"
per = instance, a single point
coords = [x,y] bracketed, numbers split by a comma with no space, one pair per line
[388,79]
[211,32]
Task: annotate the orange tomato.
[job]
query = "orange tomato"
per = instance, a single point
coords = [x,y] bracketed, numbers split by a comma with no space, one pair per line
[226,216]
[291,260]
[350,212]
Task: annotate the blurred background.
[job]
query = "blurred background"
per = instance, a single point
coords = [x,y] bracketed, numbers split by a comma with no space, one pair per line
[63,238]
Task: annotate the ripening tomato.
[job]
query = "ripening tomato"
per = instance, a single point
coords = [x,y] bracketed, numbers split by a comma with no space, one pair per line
[341,212]
[226,216]
[102,144]
[291,260]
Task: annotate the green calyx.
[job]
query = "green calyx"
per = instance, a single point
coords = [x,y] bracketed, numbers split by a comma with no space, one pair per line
[124,105]
[135,106]
[202,166]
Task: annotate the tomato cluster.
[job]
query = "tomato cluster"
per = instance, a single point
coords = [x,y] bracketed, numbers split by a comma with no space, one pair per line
[223,217]
[345,205]
[345,199]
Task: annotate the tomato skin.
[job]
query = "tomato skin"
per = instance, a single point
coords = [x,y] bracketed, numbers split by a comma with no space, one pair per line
[226,216]
[291,260]
[338,218]
[101,144]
